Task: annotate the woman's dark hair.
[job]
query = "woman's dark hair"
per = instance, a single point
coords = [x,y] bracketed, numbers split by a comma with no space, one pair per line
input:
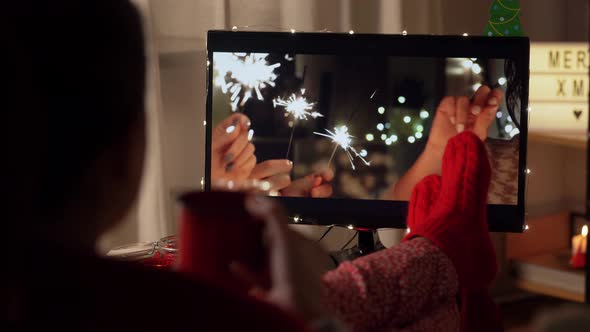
[514,90]
[76,76]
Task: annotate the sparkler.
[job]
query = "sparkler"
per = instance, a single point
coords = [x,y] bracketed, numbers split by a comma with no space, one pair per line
[299,108]
[343,139]
[243,75]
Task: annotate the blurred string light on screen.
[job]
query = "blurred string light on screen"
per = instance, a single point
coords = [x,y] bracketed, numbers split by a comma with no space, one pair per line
[411,139]
[424,114]
[380,126]
[381,110]
[418,135]
[393,138]
[476,86]
[387,125]
[407,119]
[243,75]
[383,137]
[499,115]
[502,80]
[401,99]
[369,137]
[476,69]
[467,63]
[420,128]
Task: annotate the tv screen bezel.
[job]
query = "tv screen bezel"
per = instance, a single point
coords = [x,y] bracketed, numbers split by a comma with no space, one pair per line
[373,214]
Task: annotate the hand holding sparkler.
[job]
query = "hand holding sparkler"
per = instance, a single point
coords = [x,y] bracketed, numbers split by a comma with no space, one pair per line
[316,185]
[275,172]
[232,154]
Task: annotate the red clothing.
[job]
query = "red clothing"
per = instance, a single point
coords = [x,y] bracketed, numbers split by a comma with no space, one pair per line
[414,286]
[410,287]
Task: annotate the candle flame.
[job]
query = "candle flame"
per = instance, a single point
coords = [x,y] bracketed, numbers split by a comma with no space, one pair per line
[585,231]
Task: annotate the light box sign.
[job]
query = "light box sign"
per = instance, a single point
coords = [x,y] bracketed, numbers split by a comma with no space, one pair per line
[559,86]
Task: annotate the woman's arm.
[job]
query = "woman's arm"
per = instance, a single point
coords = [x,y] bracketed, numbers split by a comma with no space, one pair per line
[429,162]
[395,287]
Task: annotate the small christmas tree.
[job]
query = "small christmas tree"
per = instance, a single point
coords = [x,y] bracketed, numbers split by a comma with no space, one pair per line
[504,19]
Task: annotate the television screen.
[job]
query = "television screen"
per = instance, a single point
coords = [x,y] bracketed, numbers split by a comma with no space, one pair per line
[336,122]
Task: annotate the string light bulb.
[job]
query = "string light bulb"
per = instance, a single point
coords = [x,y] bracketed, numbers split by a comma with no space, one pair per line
[351,32]
[292,30]
[528,171]
[465,34]
[350,227]
[404,32]
[476,68]
[234,28]
[526,227]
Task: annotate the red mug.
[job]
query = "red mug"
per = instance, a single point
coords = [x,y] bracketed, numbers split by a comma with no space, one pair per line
[216,230]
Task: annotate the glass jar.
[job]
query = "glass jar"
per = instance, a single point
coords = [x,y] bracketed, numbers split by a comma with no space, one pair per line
[159,254]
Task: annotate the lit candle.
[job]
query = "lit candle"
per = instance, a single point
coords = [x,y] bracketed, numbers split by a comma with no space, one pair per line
[579,242]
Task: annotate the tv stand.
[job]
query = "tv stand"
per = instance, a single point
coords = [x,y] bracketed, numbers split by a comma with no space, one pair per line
[366,242]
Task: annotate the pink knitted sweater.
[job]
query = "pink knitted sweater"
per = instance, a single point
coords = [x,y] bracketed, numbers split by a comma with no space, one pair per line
[410,287]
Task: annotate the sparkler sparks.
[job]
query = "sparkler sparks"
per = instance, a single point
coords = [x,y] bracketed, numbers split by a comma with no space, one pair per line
[243,75]
[343,139]
[297,106]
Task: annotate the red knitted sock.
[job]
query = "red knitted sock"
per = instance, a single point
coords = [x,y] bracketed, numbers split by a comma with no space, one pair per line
[424,195]
[457,223]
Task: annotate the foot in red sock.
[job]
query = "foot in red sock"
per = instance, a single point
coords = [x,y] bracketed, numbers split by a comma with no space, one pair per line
[457,222]
[424,195]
